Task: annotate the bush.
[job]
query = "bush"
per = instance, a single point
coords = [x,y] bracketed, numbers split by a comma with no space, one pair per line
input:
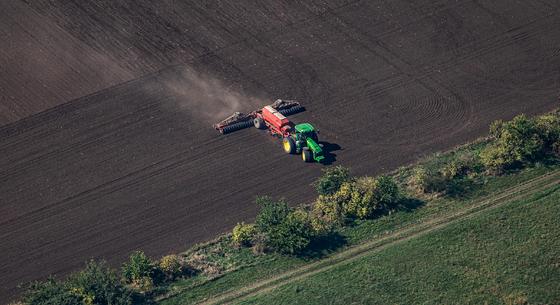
[50,292]
[260,240]
[449,175]
[496,128]
[496,159]
[517,141]
[203,264]
[96,284]
[427,180]
[286,230]
[549,129]
[292,235]
[101,283]
[272,213]
[331,180]
[327,214]
[243,234]
[370,196]
[138,268]
[171,266]
[556,149]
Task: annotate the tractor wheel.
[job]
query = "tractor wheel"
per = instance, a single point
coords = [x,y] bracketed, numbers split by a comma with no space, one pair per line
[259,123]
[289,145]
[307,155]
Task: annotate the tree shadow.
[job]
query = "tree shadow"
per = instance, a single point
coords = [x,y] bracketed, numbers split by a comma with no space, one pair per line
[410,204]
[328,149]
[322,246]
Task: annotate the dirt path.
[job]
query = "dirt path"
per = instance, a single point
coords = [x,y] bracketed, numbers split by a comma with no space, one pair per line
[413,231]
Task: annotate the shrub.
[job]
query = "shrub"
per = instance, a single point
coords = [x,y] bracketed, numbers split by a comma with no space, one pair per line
[143,284]
[332,179]
[286,230]
[556,149]
[496,128]
[243,234]
[292,235]
[201,263]
[100,284]
[427,180]
[95,284]
[455,168]
[372,195]
[517,141]
[327,214]
[496,159]
[171,266]
[272,213]
[549,130]
[50,292]
[260,240]
[138,268]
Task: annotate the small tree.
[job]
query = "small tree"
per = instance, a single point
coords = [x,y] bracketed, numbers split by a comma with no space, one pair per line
[327,214]
[50,292]
[387,193]
[171,266]
[496,159]
[139,271]
[272,213]
[549,129]
[243,234]
[95,284]
[427,180]
[285,230]
[517,141]
[98,284]
[293,234]
[332,179]
[372,195]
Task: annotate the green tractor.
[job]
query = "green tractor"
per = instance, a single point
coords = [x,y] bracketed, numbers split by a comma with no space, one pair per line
[303,139]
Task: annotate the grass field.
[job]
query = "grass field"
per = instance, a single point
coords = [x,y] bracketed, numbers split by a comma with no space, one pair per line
[247,269]
[510,255]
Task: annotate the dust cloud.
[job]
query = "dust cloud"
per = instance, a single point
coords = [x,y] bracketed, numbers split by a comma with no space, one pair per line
[207,96]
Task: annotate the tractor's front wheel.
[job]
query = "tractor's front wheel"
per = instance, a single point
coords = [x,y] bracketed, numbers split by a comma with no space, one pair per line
[307,155]
[289,145]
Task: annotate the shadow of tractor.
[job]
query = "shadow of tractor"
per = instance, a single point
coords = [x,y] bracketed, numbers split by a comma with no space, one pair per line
[328,149]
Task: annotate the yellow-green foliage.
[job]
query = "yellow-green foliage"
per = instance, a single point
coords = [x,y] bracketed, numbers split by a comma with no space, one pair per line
[143,284]
[496,158]
[366,196]
[362,202]
[327,214]
[171,266]
[243,234]
[429,180]
[519,140]
[87,298]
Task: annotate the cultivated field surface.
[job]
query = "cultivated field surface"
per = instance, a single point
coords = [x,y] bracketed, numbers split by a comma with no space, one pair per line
[106,108]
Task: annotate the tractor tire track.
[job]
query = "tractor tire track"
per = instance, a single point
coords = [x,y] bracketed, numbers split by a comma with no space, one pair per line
[400,235]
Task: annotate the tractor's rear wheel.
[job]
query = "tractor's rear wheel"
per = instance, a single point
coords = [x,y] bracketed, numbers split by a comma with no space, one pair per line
[289,145]
[259,123]
[307,155]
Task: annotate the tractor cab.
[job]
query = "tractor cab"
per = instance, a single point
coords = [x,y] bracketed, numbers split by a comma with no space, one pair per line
[306,130]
